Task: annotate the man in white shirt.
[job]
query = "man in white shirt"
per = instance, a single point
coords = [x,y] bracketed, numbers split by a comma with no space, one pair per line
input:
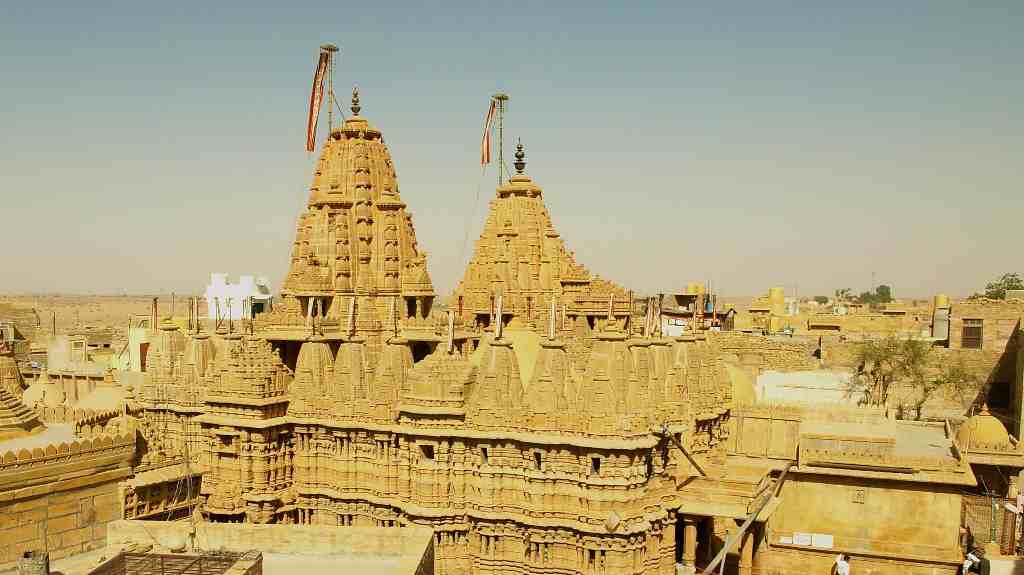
[842,564]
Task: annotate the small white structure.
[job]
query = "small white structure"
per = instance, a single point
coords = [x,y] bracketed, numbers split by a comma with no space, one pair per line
[231,300]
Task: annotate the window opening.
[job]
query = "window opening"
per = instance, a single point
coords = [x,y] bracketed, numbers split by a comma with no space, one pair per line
[428,451]
[972,334]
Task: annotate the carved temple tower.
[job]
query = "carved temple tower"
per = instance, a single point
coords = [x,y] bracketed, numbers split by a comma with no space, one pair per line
[356,272]
[520,258]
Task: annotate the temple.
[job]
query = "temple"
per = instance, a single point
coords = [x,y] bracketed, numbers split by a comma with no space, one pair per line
[534,425]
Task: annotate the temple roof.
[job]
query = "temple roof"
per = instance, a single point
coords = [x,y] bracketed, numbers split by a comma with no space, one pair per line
[16,419]
[520,256]
[983,431]
[355,235]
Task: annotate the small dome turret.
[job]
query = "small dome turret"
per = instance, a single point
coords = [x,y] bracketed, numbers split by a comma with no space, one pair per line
[983,431]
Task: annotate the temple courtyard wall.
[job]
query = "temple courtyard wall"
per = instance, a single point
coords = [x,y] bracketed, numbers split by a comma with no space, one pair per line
[61,497]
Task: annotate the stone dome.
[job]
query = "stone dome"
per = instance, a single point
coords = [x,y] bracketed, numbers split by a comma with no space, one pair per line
[984,431]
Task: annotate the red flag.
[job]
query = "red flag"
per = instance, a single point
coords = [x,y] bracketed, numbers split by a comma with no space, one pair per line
[485,144]
[316,98]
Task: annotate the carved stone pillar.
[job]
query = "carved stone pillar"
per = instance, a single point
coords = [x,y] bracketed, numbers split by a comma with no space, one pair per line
[260,472]
[689,541]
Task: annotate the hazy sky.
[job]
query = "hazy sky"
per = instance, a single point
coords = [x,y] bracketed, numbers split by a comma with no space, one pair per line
[144,145]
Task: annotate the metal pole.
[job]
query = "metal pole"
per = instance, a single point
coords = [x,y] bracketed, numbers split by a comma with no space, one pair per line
[330,97]
[501,141]
[501,98]
[330,49]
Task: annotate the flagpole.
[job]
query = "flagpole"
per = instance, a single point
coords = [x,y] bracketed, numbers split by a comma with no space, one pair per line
[501,98]
[330,49]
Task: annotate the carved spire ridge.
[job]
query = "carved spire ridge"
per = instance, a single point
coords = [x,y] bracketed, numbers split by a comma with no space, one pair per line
[355,100]
[520,157]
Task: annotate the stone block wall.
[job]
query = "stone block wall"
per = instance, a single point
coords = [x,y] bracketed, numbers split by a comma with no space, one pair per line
[67,522]
[61,498]
[772,431]
[768,353]
[1000,321]
[875,529]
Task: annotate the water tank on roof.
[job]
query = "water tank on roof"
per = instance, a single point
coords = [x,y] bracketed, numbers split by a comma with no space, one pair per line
[940,324]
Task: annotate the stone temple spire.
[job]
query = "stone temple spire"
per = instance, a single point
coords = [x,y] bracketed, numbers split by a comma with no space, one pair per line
[16,419]
[355,253]
[521,257]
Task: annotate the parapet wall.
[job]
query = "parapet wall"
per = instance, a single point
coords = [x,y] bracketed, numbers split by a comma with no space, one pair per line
[93,423]
[61,497]
[772,430]
[408,544]
[64,414]
[768,353]
[24,468]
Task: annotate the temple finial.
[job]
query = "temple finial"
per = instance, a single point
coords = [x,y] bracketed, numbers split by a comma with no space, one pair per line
[355,100]
[520,157]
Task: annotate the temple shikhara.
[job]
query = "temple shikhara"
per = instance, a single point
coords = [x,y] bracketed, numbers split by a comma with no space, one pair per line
[538,419]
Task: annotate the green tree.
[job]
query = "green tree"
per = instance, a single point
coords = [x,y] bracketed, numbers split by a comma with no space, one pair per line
[881,295]
[997,289]
[957,378]
[821,299]
[844,294]
[911,366]
[888,362]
